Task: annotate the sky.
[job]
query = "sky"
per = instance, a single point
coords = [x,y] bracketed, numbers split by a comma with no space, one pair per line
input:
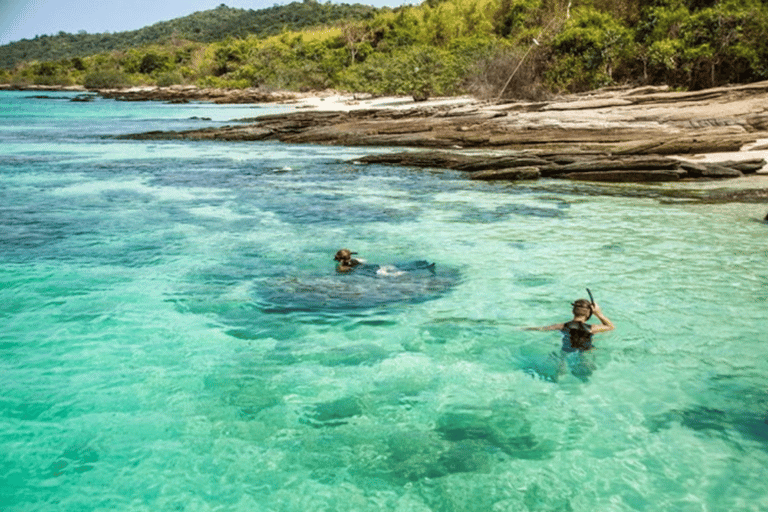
[25,19]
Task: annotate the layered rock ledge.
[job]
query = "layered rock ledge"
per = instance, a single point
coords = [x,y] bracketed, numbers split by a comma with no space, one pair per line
[594,167]
[642,134]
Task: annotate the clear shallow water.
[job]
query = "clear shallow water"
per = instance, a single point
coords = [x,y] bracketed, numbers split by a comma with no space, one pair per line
[172,339]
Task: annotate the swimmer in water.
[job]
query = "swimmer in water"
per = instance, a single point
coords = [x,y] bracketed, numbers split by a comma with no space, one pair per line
[346,263]
[577,335]
[345,260]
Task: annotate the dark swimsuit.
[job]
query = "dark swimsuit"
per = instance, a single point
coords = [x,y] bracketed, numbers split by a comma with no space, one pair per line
[577,337]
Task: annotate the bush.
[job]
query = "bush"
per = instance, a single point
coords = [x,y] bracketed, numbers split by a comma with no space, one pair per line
[508,72]
[218,82]
[420,71]
[106,79]
[169,78]
[569,73]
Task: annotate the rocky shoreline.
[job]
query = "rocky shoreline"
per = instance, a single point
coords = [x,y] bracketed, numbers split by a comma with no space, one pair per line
[646,134]
[622,135]
[171,94]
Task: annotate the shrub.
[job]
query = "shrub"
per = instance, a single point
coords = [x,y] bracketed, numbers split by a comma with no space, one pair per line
[507,72]
[106,79]
[170,78]
[420,71]
[569,73]
[217,82]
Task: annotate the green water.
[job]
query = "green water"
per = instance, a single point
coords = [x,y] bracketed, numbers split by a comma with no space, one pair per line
[172,337]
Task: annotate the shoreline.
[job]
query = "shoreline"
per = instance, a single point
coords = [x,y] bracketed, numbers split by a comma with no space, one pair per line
[601,130]
[328,100]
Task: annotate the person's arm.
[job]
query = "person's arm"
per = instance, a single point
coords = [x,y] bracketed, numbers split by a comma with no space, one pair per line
[605,324]
[553,327]
[347,266]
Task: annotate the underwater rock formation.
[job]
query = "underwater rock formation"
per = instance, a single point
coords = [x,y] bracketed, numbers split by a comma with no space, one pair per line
[354,291]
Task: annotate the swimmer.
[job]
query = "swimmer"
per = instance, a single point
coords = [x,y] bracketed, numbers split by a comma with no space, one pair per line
[577,334]
[346,261]
[577,338]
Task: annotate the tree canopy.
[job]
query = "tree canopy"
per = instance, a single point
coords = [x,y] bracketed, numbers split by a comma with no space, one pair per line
[491,48]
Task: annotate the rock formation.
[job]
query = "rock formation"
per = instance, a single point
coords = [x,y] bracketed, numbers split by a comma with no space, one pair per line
[612,135]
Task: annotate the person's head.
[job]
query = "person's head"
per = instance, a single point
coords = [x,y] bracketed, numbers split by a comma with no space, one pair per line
[344,255]
[582,307]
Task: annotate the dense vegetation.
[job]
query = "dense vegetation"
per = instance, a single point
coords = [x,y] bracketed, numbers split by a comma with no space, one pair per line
[201,27]
[493,48]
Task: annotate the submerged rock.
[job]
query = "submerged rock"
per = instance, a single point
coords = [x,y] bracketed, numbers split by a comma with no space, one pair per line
[414,456]
[730,424]
[334,413]
[500,425]
[360,289]
[353,355]
[77,458]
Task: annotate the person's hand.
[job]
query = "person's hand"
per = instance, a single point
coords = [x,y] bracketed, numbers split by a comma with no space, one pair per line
[596,309]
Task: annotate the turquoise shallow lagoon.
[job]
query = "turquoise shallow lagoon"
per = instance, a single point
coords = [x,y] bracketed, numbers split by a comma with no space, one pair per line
[174,336]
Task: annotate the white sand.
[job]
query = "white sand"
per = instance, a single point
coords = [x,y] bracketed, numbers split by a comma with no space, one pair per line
[756,150]
[347,102]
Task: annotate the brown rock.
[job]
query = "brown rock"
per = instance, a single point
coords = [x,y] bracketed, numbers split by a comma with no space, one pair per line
[627,176]
[609,135]
[502,162]
[435,159]
[512,174]
[709,170]
[706,143]
[628,163]
[747,166]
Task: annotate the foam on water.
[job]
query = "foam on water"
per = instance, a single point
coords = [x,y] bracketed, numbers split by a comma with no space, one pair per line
[149,359]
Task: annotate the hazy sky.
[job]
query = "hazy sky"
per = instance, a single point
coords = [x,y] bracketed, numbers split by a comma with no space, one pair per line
[25,19]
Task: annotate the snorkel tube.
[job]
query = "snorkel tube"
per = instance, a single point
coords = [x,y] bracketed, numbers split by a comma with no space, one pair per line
[592,300]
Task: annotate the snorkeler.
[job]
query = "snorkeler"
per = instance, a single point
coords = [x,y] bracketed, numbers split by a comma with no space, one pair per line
[577,337]
[577,334]
[346,261]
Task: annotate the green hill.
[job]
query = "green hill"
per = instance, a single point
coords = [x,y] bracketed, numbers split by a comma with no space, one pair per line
[490,48]
[203,27]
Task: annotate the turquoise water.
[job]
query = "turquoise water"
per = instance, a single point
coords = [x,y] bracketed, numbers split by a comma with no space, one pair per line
[174,336]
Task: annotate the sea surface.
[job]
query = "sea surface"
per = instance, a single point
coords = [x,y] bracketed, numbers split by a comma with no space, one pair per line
[173,335]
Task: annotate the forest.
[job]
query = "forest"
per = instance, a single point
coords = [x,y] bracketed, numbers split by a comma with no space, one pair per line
[524,49]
